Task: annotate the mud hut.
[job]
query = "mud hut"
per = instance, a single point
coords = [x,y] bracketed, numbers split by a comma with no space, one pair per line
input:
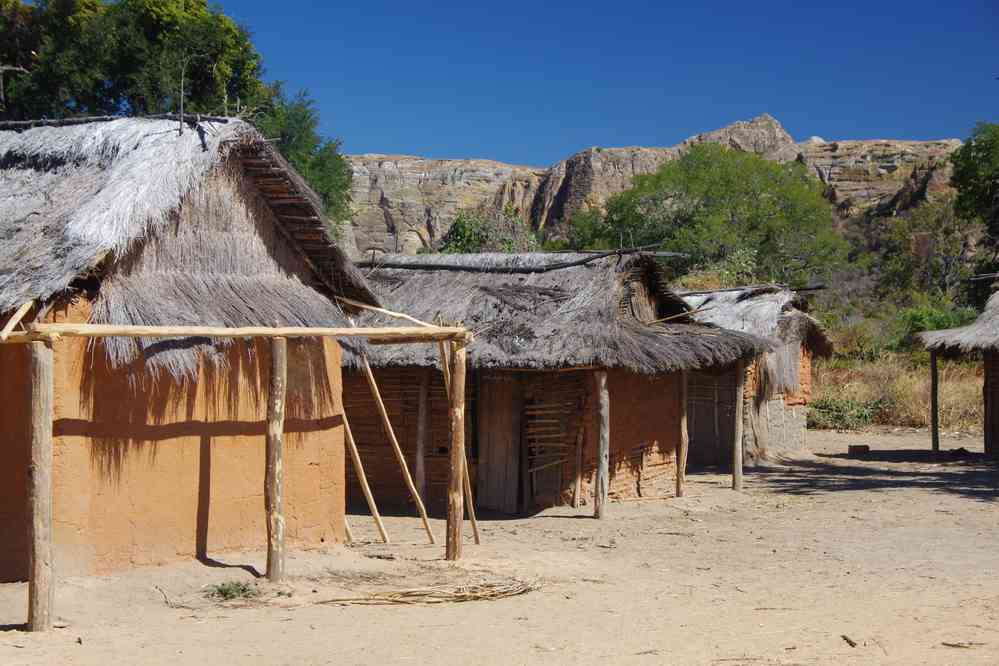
[550,330]
[157,442]
[775,389]
[981,336]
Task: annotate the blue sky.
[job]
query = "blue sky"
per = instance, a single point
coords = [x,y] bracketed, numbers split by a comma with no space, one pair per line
[533,82]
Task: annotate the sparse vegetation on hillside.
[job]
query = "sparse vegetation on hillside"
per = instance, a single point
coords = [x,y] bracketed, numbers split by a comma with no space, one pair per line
[483,230]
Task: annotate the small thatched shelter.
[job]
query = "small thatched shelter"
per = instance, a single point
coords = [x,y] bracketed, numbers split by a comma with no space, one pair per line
[982,336]
[776,387]
[157,442]
[548,329]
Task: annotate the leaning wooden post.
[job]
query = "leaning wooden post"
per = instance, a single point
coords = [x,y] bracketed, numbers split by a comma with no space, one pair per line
[681,453]
[603,450]
[455,505]
[467,481]
[934,402]
[422,411]
[274,473]
[387,425]
[41,586]
[362,479]
[740,387]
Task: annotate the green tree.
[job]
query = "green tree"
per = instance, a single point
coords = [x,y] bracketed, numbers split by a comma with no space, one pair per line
[976,177]
[721,206]
[488,230]
[929,250]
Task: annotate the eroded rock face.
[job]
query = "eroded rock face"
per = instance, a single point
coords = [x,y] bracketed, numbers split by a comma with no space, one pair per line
[403,204]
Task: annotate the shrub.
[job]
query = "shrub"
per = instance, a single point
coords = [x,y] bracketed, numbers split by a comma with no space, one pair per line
[842,413]
[232,589]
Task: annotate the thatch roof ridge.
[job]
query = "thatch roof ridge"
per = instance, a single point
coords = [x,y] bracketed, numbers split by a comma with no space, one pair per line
[74,195]
[569,317]
[980,335]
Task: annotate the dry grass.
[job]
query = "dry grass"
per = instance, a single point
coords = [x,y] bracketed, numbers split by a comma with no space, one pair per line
[897,390]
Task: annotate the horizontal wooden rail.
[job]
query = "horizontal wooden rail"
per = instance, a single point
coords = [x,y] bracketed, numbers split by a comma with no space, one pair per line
[379,334]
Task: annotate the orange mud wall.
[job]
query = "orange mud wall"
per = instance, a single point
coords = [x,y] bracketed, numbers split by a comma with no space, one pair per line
[168,470]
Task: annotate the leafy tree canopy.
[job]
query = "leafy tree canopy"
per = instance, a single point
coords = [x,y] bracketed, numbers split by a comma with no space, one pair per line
[488,231]
[976,177]
[729,211]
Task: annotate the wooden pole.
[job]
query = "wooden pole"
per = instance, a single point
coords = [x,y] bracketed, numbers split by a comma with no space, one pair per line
[467,480]
[422,413]
[346,529]
[387,423]
[14,320]
[681,453]
[362,479]
[934,402]
[740,385]
[41,584]
[577,491]
[455,508]
[274,472]
[603,450]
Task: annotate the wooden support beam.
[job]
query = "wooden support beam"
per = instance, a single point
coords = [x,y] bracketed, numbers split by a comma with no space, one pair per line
[681,453]
[934,402]
[740,387]
[603,449]
[387,423]
[15,320]
[408,333]
[467,480]
[346,529]
[362,479]
[422,420]
[274,470]
[41,583]
[577,491]
[455,505]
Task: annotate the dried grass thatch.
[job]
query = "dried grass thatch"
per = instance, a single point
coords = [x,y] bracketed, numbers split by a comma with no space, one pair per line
[208,227]
[772,312]
[980,335]
[578,316]
[76,197]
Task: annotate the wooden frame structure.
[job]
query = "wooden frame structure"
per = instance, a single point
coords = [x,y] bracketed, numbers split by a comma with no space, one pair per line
[40,337]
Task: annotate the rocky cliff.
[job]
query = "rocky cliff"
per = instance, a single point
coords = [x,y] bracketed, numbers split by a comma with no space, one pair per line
[403,204]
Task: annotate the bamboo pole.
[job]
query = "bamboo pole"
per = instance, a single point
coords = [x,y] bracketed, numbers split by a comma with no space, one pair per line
[41,584]
[467,481]
[934,402]
[14,320]
[274,470]
[740,384]
[455,508]
[681,454]
[383,333]
[355,457]
[603,450]
[387,423]
[422,409]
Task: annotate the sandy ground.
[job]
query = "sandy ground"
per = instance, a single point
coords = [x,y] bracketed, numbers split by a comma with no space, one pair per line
[897,551]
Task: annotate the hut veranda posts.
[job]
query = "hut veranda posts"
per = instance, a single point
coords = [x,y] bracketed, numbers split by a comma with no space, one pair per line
[763,403]
[982,335]
[568,350]
[170,302]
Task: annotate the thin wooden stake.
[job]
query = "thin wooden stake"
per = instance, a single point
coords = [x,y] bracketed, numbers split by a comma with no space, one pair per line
[387,423]
[422,413]
[274,472]
[41,585]
[681,454]
[740,384]
[346,529]
[455,505]
[934,402]
[603,450]
[14,320]
[355,457]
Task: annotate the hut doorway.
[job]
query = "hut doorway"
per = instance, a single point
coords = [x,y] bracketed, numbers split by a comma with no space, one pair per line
[500,401]
[711,402]
[552,421]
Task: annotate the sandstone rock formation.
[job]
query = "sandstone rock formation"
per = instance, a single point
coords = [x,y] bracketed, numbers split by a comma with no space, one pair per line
[403,204]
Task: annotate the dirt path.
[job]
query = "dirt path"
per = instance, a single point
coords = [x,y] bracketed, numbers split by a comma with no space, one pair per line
[898,551]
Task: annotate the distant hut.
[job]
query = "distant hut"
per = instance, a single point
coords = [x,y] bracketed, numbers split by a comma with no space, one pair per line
[158,442]
[546,326]
[776,388]
[981,336]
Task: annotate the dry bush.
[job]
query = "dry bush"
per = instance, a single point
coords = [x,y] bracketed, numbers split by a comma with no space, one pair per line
[894,390]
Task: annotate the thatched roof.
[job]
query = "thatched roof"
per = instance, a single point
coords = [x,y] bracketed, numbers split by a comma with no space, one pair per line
[980,335]
[76,197]
[770,311]
[574,316]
